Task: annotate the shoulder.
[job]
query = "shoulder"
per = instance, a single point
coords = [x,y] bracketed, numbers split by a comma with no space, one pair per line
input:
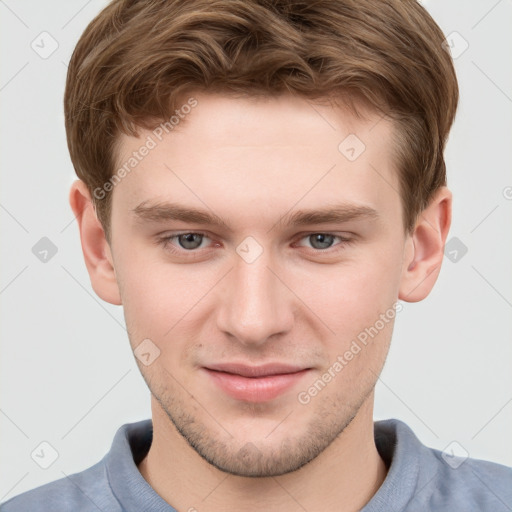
[84,491]
[100,487]
[439,480]
[482,484]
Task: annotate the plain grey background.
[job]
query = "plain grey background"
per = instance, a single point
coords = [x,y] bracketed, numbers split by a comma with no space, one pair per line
[68,376]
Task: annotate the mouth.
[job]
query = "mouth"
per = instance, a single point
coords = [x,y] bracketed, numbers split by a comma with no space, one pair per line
[255,383]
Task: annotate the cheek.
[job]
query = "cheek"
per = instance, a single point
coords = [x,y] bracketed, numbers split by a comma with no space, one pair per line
[351,296]
[159,299]
[145,294]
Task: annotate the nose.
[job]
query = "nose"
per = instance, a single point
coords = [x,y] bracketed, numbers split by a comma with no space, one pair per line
[254,304]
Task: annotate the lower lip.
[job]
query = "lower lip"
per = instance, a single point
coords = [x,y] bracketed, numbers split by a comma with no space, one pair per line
[257,389]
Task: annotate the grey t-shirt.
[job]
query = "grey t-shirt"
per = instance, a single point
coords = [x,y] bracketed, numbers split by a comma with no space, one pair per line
[419,479]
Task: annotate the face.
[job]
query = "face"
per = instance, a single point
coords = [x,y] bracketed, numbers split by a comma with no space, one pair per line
[262,259]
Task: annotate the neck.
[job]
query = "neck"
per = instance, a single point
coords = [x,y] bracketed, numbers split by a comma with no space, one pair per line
[344,477]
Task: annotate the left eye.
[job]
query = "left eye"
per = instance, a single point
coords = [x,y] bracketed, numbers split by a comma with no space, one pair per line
[321,240]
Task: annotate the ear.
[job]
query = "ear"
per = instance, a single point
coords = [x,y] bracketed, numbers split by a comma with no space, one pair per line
[97,253]
[424,248]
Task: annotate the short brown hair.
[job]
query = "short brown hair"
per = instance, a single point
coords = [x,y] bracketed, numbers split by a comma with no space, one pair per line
[138,59]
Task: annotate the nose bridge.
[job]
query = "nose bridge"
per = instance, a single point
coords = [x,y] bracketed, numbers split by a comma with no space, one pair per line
[254,305]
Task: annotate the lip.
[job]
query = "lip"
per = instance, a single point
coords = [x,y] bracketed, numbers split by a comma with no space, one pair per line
[255,383]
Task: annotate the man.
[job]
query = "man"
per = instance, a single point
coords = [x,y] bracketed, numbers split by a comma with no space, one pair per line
[261,184]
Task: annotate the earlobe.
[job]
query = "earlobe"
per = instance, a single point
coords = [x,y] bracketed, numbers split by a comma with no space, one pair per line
[424,249]
[95,248]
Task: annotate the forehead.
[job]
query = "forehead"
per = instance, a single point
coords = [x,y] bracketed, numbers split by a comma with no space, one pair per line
[264,153]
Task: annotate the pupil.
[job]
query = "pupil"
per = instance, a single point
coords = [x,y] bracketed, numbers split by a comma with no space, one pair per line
[190,240]
[321,241]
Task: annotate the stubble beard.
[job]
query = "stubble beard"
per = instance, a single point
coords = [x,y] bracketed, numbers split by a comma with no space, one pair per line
[259,458]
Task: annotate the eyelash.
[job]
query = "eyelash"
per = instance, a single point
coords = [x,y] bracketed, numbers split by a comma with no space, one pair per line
[165,241]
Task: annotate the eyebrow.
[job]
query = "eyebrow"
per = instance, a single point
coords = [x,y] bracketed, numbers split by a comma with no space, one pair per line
[165,211]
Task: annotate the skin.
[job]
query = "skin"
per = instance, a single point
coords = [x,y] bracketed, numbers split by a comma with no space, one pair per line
[251,162]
